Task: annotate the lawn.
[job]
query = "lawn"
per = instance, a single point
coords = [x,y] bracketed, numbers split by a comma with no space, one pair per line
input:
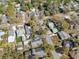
[3,43]
[65,25]
[19,39]
[4,36]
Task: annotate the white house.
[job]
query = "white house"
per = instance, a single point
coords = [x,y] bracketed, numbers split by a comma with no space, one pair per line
[11,35]
[4,18]
[1,34]
[18,7]
[20,30]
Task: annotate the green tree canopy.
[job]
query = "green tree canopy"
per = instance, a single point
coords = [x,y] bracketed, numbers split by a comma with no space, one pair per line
[10,9]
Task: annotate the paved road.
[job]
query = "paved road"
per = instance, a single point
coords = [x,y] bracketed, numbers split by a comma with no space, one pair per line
[56,55]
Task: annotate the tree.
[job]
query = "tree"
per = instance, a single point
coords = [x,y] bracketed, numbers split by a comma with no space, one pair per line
[47,47]
[1,8]
[66,1]
[10,9]
[65,50]
[10,53]
[65,25]
[35,57]
[24,6]
[64,57]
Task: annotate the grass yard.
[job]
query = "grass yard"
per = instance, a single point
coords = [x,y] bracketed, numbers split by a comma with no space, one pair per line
[65,25]
[19,39]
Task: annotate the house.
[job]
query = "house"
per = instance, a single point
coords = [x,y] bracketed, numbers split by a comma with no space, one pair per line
[52,27]
[49,39]
[28,53]
[17,7]
[11,35]
[3,2]
[27,30]
[20,33]
[20,30]
[1,34]
[34,12]
[1,38]
[11,39]
[77,36]
[36,42]
[68,43]
[23,15]
[61,8]
[4,18]
[63,35]
[39,52]
[73,35]
[31,14]
[26,44]
[23,38]
[74,53]
[20,46]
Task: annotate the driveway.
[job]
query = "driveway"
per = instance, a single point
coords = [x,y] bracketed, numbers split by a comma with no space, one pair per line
[56,55]
[48,39]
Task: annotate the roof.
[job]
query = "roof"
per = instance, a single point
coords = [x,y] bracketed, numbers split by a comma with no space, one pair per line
[20,32]
[11,32]
[39,52]
[27,29]
[20,48]
[1,38]
[26,43]
[28,53]
[4,18]
[63,35]
[68,43]
[1,33]
[36,43]
[52,27]
[11,38]
[74,54]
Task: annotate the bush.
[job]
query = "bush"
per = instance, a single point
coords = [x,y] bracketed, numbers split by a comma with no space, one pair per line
[64,57]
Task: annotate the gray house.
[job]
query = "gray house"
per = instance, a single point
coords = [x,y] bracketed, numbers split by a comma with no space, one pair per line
[11,35]
[63,35]
[27,30]
[36,42]
[39,52]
